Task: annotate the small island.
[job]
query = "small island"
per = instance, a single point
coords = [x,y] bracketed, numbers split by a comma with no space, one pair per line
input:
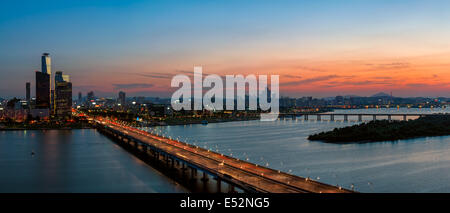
[384,130]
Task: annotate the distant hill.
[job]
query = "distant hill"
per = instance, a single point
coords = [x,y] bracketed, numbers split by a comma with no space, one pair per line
[381,94]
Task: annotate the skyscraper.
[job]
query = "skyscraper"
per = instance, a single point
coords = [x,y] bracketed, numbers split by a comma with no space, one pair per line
[63,96]
[46,63]
[46,73]
[42,90]
[46,66]
[28,96]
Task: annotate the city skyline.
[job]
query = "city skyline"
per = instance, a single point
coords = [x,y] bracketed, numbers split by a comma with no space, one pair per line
[320,48]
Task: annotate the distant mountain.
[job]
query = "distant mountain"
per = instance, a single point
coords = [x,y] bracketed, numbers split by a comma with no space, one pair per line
[381,94]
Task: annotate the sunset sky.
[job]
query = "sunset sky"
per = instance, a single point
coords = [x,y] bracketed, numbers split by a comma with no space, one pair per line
[319,48]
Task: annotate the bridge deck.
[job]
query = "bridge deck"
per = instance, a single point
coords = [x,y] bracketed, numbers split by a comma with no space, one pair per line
[239,172]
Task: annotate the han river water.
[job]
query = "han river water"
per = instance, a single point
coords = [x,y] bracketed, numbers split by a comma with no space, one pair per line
[86,161]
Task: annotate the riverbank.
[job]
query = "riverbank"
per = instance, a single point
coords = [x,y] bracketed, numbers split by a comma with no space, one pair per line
[384,130]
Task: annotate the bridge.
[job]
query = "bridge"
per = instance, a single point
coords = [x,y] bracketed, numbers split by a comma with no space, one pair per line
[345,116]
[237,173]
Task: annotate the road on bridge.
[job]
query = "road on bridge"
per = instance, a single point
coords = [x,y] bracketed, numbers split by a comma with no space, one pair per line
[241,172]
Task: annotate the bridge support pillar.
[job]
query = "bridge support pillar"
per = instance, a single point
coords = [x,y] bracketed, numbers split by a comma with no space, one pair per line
[193,173]
[319,118]
[359,118]
[345,117]
[205,177]
[306,117]
[219,185]
[389,117]
[183,167]
[332,117]
[374,117]
[404,117]
[231,188]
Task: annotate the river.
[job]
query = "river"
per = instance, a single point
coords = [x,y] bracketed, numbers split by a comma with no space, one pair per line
[73,161]
[415,165]
[86,161]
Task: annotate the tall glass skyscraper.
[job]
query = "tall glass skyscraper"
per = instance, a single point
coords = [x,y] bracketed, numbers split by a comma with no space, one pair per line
[44,84]
[46,64]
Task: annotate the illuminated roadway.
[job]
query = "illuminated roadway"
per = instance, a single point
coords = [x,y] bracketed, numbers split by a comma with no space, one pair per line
[240,173]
